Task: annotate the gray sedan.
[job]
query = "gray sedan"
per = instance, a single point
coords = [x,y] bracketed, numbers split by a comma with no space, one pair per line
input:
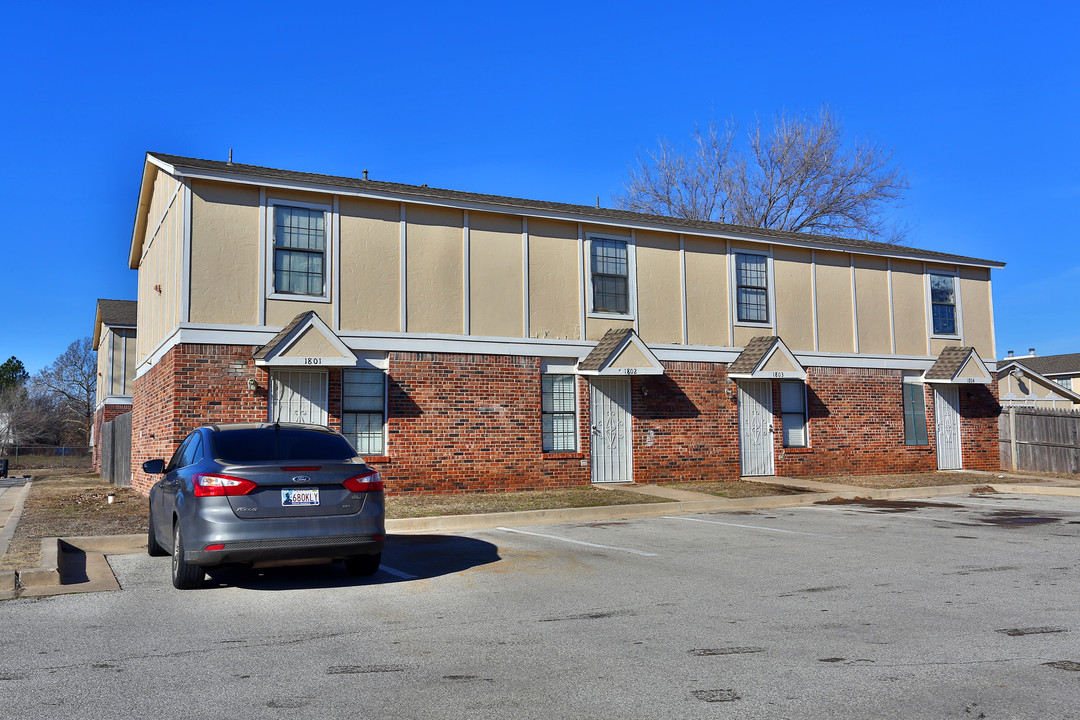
[265,494]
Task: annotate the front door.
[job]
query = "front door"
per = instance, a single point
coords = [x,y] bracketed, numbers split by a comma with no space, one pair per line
[299,397]
[755,428]
[609,400]
[947,427]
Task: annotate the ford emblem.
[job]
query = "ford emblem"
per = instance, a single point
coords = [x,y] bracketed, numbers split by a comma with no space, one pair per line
[301,479]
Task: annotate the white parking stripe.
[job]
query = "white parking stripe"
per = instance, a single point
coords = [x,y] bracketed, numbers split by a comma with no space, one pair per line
[397,573]
[577,542]
[754,527]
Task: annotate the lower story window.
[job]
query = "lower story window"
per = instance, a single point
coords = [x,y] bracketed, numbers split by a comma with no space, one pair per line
[559,413]
[914,414]
[793,405]
[363,405]
[299,397]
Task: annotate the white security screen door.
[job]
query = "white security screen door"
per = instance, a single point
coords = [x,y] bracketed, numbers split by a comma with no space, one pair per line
[611,431]
[755,428]
[947,427]
[299,397]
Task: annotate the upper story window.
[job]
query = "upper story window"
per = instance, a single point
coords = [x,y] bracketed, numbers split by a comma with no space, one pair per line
[610,270]
[752,287]
[943,303]
[1064,382]
[299,251]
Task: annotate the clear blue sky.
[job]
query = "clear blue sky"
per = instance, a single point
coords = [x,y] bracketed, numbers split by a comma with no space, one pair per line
[551,100]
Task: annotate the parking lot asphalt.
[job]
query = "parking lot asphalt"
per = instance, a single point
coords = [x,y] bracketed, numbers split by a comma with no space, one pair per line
[956,606]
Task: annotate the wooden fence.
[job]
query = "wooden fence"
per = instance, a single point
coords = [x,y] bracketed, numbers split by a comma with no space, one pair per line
[1039,440]
[116,450]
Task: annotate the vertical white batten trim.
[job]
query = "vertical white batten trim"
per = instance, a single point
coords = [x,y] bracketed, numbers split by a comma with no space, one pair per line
[813,298]
[959,307]
[264,246]
[854,308]
[404,279]
[892,311]
[993,337]
[682,284]
[185,258]
[335,269]
[112,363]
[466,325]
[926,307]
[632,257]
[583,299]
[732,293]
[525,276]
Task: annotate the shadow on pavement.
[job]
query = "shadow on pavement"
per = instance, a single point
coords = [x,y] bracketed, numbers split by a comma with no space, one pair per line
[406,558]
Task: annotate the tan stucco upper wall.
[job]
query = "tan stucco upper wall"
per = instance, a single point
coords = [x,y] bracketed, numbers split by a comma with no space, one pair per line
[117,369]
[631,357]
[909,307]
[835,322]
[707,293]
[554,280]
[160,268]
[496,288]
[1027,387]
[224,253]
[130,362]
[971,369]
[872,304]
[976,306]
[103,364]
[280,313]
[434,268]
[778,363]
[794,297]
[659,287]
[596,327]
[311,344]
[370,265]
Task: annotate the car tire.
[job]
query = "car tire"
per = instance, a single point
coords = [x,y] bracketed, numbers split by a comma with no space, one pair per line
[153,547]
[363,565]
[185,576]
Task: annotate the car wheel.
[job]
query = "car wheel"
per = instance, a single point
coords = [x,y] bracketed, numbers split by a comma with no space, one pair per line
[363,565]
[153,547]
[185,576]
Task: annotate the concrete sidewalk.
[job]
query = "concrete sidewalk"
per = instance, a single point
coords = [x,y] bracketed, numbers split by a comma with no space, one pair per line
[73,565]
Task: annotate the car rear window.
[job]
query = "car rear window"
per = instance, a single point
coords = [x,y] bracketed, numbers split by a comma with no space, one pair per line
[261,444]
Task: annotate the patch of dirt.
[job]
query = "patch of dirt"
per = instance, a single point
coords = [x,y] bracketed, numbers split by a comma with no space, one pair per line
[410,506]
[733,488]
[930,479]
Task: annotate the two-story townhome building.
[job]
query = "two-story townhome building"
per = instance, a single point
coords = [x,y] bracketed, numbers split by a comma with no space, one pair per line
[114,341]
[1046,381]
[468,342]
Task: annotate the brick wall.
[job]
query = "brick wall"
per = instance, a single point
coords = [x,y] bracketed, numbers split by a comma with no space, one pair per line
[465,423]
[979,411]
[104,414]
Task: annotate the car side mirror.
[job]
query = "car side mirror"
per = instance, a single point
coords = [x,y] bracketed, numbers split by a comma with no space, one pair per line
[154,467]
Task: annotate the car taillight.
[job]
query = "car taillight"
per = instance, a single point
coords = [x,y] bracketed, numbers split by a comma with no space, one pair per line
[210,485]
[370,481]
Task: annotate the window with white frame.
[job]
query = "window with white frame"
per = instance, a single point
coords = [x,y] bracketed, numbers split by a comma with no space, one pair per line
[300,244]
[914,412]
[793,406]
[943,303]
[752,287]
[559,412]
[610,271]
[1063,382]
[363,410]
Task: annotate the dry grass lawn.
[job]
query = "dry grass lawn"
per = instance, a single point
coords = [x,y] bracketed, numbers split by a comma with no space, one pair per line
[409,506]
[732,489]
[931,479]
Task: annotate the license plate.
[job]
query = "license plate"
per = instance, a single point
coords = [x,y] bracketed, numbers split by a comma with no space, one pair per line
[300,496]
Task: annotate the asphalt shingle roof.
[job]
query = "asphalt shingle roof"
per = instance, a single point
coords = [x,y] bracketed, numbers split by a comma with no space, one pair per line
[751,355]
[599,354]
[421,192]
[1048,365]
[118,312]
[949,363]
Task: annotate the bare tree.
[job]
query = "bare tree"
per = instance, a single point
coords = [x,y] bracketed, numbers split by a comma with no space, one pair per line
[799,175]
[72,380]
[24,417]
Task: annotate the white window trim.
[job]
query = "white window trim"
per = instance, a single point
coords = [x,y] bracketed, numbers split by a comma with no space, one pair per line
[381,367]
[329,256]
[957,310]
[770,291]
[557,370]
[805,415]
[631,279]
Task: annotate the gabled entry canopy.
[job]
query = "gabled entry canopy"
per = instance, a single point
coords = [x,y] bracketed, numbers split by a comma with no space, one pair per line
[306,342]
[620,352]
[958,365]
[764,358]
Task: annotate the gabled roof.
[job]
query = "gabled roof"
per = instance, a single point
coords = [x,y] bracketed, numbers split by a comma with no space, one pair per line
[766,357]
[958,364]
[237,172]
[1050,365]
[305,341]
[114,313]
[1014,366]
[621,352]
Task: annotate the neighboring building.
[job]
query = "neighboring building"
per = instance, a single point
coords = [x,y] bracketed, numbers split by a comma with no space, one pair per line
[114,340]
[477,342]
[1048,381]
